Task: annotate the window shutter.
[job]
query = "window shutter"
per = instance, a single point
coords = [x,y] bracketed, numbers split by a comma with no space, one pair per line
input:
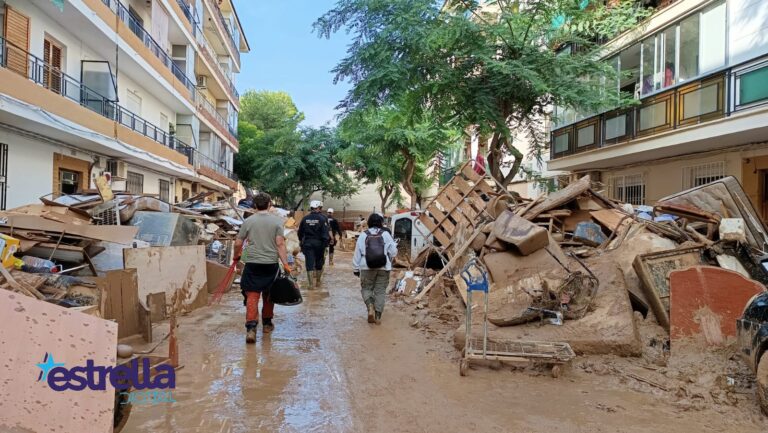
[17,34]
[55,67]
[46,59]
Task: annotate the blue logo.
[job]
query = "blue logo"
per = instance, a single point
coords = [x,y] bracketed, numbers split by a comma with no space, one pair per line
[136,375]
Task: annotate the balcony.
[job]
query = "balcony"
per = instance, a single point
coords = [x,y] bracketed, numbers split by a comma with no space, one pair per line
[213,115]
[225,30]
[208,167]
[136,28]
[35,69]
[210,54]
[712,97]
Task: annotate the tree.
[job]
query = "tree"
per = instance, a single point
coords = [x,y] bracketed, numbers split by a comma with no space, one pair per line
[397,144]
[280,157]
[494,65]
[268,110]
[370,167]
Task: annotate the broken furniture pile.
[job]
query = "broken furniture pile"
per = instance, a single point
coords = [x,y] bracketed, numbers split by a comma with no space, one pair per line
[575,266]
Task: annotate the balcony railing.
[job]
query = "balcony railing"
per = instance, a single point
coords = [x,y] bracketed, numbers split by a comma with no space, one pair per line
[206,48]
[225,26]
[186,11]
[712,97]
[206,105]
[208,162]
[138,29]
[32,67]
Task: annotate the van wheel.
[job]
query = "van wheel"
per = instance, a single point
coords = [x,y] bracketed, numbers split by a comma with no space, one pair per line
[762,382]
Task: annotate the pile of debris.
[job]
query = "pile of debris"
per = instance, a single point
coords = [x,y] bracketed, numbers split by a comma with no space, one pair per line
[574,266]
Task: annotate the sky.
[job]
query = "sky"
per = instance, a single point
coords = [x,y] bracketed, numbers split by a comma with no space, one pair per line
[287,55]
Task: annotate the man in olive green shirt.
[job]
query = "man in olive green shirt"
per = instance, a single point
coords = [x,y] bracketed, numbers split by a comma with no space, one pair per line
[265,246]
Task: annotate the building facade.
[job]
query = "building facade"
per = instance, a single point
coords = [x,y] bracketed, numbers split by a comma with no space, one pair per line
[699,72]
[140,89]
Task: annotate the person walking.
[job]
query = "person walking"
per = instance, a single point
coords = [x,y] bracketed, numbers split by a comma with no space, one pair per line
[372,262]
[335,232]
[314,238]
[262,235]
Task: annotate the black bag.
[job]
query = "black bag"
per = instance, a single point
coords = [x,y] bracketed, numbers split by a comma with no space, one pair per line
[285,291]
[375,254]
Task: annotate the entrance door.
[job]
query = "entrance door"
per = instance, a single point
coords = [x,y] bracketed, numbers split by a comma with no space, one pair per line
[69,181]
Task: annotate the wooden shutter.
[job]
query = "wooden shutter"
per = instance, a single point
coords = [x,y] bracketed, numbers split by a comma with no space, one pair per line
[17,36]
[52,68]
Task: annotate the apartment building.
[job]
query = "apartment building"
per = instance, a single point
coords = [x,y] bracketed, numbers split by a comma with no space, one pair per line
[699,71]
[140,89]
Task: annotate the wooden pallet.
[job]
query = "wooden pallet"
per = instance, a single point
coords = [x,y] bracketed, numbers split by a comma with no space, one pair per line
[461,202]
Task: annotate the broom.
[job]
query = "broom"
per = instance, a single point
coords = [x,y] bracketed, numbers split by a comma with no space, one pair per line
[223,285]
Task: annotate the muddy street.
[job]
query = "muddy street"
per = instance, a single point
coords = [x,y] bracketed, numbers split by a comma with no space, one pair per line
[324,369]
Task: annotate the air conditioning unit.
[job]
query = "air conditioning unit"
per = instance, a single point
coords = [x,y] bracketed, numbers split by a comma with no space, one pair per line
[202,81]
[122,170]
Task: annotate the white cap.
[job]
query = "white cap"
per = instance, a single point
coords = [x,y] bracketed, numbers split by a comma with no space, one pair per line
[330,210]
[315,204]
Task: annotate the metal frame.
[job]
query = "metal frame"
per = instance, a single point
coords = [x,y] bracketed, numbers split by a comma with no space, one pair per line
[3,175]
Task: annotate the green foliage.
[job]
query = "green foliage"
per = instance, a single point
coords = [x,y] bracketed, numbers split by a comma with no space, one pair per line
[268,110]
[496,67]
[288,161]
[391,145]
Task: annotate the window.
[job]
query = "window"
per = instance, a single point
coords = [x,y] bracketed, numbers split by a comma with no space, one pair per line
[134,103]
[135,183]
[112,167]
[164,124]
[69,181]
[52,58]
[689,48]
[703,174]
[712,38]
[562,142]
[629,189]
[629,64]
[165,190]
[752,85]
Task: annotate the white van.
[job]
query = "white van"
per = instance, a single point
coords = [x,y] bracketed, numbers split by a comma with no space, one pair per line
[410,234]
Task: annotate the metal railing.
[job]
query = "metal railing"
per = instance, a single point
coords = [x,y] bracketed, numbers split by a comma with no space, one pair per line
[137,28]
[37,70]
[707,98]
[207,49]
[186,11]
[208,162]
[203,102]
[223,21]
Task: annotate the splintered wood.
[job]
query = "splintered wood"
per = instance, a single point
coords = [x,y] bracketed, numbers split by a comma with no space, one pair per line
[460,203]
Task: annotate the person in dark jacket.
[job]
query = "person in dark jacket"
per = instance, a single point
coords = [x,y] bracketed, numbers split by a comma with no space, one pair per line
[314,238]
[335,230]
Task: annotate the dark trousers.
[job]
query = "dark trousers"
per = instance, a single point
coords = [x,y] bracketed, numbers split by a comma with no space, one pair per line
[315,256]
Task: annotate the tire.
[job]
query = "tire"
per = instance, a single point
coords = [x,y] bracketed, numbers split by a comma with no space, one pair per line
[762,382]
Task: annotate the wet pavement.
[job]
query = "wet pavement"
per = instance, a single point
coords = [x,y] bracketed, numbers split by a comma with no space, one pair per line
[324,369]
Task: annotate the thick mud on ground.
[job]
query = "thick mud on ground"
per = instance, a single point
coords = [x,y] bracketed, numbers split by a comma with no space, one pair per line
[325,369]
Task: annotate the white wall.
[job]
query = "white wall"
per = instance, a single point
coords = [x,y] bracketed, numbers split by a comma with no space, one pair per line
[30,167]
[152,180]
[151,107]
[367,199]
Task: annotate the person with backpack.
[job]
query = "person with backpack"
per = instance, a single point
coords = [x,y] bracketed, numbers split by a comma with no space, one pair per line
[372,262]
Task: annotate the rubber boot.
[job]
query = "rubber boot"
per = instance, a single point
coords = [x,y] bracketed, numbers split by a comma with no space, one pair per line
[330,259]
[250,332]
[377,318]
[310,280]
[371,313]
[319,278]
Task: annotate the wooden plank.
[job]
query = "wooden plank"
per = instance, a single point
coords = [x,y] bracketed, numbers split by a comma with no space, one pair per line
[129,287]
[463,185]
[460,205]
[30,330]
[442,219]
[119,234]
[610,218]
[449,265]
[470,173]
[157,307]
[159,270]
[434,230]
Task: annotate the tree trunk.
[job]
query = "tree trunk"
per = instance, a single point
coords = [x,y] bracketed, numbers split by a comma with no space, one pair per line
[385,192]
[496,157]
[408,170]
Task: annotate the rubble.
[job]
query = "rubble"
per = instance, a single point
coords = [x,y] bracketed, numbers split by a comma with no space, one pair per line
[633,281]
